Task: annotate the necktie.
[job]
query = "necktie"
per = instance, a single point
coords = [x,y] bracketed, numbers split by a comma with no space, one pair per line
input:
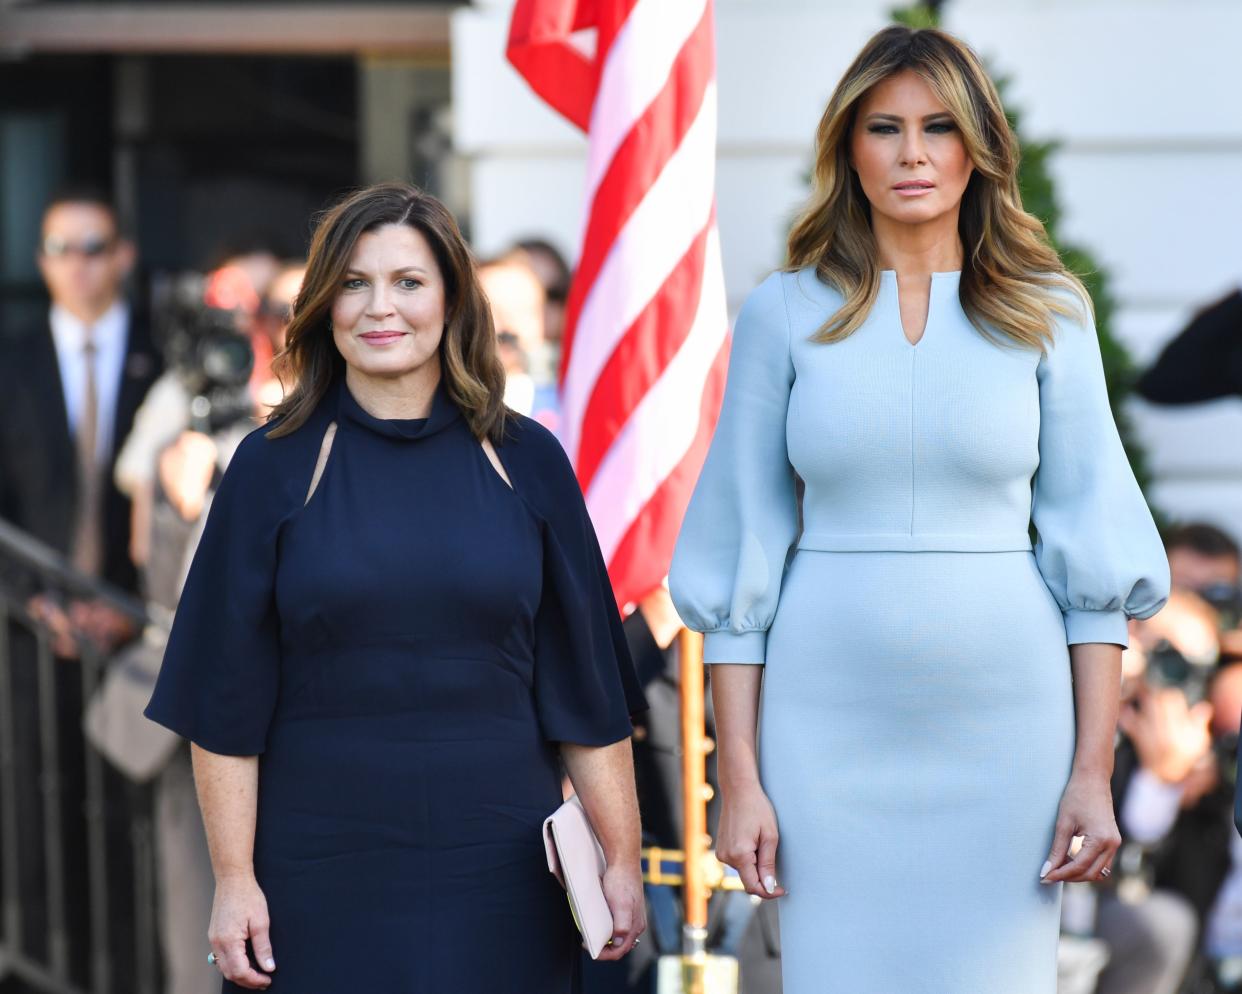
[88,531]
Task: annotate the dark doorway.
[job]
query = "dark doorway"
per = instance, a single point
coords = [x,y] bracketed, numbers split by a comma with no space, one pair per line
[239,148]
[205,153]
[55,124]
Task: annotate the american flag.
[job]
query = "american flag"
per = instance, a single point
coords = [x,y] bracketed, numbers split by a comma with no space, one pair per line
[646,337]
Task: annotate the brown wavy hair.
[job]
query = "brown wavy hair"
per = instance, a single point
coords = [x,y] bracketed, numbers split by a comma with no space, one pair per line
[310,361]
[1010,271]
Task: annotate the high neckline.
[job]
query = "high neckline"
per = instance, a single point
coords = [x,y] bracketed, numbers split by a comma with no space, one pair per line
[443,413]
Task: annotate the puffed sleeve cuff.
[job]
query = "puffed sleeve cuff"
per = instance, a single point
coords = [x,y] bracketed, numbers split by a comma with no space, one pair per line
[1096,626]
[735,647]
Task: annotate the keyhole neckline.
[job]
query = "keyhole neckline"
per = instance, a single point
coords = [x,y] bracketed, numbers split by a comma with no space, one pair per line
[942,285]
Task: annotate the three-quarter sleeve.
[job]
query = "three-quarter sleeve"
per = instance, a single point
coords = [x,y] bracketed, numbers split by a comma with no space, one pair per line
[218,683]
[742,518]
[1098,549]
[585,685]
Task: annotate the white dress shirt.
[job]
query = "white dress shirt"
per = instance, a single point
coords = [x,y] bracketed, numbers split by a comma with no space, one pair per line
[1150,807]
[111,336]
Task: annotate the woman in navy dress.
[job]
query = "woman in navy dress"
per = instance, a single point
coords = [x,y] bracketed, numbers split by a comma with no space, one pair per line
[396,627]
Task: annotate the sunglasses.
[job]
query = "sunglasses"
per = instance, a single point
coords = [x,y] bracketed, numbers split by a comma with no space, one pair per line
[91,247]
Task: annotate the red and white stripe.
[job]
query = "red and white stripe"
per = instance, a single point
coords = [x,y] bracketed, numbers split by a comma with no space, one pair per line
[646,337]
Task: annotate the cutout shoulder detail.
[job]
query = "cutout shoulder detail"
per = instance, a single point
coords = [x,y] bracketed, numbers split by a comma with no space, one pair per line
[495,461]
[324,449]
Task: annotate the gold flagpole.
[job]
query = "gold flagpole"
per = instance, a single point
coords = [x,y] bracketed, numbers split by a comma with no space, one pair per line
[694,971]
[694,792]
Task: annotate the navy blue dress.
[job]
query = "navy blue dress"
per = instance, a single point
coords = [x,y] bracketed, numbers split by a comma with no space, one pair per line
[403,651]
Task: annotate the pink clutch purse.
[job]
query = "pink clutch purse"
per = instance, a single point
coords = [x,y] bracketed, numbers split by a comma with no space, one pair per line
[577,861]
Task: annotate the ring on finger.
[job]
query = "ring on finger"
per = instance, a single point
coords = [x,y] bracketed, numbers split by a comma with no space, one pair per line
[1106,871]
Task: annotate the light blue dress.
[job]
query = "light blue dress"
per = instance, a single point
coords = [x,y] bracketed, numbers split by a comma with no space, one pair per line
[917,721]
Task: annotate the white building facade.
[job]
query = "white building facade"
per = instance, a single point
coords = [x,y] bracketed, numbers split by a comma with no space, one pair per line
[1149,169]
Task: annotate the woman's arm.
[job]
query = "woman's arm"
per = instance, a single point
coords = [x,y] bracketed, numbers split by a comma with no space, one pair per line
[228,793]
[1087,804]
[603,778]
[735,697]
[747,834]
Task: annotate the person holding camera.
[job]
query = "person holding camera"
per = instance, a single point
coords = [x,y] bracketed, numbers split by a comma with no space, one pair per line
[1174,786]
[1207,560]
[219,381]
[218,384]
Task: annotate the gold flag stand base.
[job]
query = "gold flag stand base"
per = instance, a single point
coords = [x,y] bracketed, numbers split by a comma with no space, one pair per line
[703,974]
[696,971]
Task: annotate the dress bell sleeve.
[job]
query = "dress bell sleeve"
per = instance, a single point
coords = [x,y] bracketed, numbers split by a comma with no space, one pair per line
[742,518]
[585,684]
[1098,549]
[219,679]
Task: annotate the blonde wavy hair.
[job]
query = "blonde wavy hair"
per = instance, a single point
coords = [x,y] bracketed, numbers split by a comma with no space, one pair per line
[1010,270]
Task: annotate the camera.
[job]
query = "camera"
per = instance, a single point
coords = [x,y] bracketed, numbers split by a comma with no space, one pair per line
[209,353]
[1227,599]
[1167,667]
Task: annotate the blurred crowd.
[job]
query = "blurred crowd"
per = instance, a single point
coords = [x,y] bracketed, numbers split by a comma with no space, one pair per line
[118,415]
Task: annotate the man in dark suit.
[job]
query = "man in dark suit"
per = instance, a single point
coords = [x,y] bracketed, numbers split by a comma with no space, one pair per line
[69,387]
[72,380]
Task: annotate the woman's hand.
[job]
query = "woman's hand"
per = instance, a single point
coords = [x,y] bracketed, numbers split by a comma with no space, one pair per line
[603,777]
[623,889]
[1086,810]
[238,913]
[748,839]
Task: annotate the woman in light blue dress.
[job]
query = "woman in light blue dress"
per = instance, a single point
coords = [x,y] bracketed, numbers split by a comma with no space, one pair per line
[939,698]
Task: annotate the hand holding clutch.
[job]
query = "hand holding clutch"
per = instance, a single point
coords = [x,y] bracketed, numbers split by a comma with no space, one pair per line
[576,859]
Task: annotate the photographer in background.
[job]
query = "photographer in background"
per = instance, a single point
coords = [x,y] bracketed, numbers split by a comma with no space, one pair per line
[220,338]
[1151,926]
[1176,907]
[1206,560]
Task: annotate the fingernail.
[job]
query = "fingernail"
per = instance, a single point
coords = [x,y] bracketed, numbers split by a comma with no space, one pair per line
[1043,870]
[769,884]
[269,964]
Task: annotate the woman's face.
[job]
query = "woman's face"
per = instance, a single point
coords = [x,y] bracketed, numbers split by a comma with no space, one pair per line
[908,152]
[388,316]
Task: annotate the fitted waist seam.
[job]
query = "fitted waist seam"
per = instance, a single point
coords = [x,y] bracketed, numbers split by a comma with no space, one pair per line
[904,542]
